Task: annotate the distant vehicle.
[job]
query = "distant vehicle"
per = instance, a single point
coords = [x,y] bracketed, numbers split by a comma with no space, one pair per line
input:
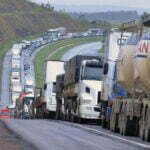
[16,49]
[16,87]
[5,114]
[15,79]
[23,106]
[14,95]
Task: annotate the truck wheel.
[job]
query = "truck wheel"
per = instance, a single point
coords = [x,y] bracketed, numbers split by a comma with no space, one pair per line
[124,126]
[142,132]
[104,123]
[98,122]
[147,135]
[72,118]
[81,120]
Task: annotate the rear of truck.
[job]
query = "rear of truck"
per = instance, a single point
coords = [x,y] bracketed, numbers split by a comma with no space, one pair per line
[53,68]
[111,88]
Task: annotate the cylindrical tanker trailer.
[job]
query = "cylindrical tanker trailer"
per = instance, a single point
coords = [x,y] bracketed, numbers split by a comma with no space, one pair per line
[130,115]
[133,73]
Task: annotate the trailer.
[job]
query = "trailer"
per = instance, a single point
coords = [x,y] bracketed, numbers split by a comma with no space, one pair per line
[46,103]
[130,115]
[111,89]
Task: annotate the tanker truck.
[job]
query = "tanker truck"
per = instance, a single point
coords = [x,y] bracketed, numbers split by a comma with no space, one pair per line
[111,88]
[82,88]
[130,115]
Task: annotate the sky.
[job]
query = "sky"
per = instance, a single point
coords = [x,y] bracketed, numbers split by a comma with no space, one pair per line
[129,3]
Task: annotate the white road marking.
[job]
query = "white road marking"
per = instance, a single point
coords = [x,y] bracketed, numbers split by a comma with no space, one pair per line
[114,136]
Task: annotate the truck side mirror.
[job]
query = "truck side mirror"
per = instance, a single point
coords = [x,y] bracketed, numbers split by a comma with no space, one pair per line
[45,86]
[106,67]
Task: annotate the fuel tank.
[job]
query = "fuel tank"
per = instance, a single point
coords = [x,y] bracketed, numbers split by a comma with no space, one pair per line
[142,63]
[125,65]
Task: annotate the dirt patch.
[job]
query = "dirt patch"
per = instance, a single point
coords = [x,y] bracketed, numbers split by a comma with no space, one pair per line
[10,141]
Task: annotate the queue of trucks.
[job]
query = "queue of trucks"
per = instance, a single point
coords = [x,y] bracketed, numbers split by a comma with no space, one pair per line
[23,91]
[112,88]
[15,77]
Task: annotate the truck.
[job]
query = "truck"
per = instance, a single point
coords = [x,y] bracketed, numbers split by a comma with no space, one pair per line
[59,96]
[16,89]
[46,103]
[29,86]
[111,88]
[24,106]
[82,88]
[16,61]
[130,115]
[16,49]
[15,75]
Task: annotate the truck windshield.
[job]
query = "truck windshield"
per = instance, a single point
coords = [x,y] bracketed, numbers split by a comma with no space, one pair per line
[93,73]
[28,100]
[28,86]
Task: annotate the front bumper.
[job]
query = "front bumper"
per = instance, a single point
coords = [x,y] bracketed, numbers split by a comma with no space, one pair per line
[89,112]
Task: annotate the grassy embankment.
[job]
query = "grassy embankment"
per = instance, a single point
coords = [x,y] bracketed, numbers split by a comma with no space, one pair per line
[55,52]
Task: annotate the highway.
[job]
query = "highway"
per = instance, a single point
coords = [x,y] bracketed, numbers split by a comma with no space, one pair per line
[5,97]
[85,49]
[60,135]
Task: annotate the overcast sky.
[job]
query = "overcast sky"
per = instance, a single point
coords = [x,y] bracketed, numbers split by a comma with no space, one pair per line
[129,3]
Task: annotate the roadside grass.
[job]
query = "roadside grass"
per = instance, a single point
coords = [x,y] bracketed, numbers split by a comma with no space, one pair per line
[102,50]
[47,53]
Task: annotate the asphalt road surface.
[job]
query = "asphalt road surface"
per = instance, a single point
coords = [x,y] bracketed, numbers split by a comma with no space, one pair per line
[56,135]
[60,135]
[10,141]
[5,99]
[85,49]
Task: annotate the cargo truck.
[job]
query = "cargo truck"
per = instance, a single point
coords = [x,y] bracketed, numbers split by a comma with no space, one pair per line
[46,104]
[111,89]
[29,86]
[16,49]
[130,115]
[82,88]
[16,89]
[24,106]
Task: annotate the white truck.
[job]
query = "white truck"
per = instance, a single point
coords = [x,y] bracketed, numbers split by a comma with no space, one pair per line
[16,49]
[16,90]
[15,75]
[44,105]
[29,86]
[112,48]
[82,88]
[53,68]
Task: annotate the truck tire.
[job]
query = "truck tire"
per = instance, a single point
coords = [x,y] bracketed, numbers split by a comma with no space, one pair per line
[72,118]
[147,135]
[141,133]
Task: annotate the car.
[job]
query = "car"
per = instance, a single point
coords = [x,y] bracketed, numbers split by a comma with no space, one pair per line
[5,114]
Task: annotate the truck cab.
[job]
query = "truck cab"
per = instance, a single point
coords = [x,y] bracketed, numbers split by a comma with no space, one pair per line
[90,88]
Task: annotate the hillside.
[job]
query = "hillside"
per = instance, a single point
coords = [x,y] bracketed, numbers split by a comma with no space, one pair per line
[19,18]
[110,16]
